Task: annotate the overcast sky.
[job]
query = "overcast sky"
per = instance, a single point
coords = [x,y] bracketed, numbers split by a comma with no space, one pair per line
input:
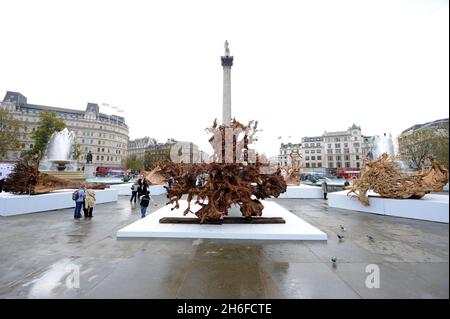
[300,67]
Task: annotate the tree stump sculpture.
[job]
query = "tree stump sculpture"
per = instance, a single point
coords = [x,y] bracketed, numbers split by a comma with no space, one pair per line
[385,177]
[27,179]
[231,179]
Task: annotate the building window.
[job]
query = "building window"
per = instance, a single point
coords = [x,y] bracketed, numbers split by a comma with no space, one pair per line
[337,145]
[313,158]
[313,151]
[355,144]
[329,145]
[319,158]
[338,164]
[345,145]
[319,164]
[330,165]
[330,158]
[347,164]
[98,157]
[346,151]
[347,158]
[357,157]
[307,152]
[307,158]
[307,165]
[319,151]
[330,151]
[358,165]
[338,151]
[313,165]
[102,157]
[338,158]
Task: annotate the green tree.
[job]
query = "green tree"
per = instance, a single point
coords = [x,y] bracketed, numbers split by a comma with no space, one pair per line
[441,150]
[133,163]
[9,132]
[152,157]
[415,147]
[48,124]
[76,151]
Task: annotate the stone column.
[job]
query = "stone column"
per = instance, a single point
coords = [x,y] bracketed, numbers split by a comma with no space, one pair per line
[227,63]
[226,109]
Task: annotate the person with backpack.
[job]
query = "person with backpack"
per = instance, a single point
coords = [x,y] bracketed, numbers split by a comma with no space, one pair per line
[89,202]
[145,201]
[78,197]
[134,192]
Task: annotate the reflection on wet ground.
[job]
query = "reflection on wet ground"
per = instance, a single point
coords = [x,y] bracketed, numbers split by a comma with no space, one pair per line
[50,255]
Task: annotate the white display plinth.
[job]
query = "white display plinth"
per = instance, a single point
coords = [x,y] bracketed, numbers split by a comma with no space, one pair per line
[294,229]
[302,191]
[11,204]
[432,207]
[125,189]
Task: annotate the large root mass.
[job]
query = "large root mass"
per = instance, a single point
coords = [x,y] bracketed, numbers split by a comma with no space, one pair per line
[224,185]
[26,179]
[385,177]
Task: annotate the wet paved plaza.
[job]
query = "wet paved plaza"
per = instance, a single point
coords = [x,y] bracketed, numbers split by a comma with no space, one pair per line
[42,254]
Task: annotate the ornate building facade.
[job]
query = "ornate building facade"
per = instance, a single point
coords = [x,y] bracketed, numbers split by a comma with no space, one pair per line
[105,136]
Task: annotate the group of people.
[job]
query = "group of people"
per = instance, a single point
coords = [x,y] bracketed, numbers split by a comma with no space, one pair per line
[139,191]
[84,199]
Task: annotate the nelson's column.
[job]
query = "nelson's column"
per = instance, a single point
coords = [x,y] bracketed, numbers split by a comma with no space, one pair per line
[227,63]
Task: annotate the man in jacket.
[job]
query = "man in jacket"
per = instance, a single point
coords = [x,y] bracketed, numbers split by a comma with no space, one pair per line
[79,200]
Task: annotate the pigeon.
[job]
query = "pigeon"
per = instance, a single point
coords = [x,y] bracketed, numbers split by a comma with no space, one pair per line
[342,227]
[333,259]
[340,237]
[370,237]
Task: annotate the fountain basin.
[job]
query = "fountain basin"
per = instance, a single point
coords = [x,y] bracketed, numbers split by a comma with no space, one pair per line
[60,164]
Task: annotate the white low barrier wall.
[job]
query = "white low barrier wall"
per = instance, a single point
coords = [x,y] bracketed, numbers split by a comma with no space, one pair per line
[432,207]
[302,191]
[125,189]
[11,204]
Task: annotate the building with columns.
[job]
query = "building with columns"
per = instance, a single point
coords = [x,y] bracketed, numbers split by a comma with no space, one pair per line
[105,136]
[286,149]
[339,152]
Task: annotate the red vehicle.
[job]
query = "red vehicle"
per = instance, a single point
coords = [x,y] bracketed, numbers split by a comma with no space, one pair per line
[110,171]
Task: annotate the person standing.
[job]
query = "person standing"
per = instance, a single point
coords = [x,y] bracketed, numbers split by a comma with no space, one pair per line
[78,197]
[134,192]
[139,181]
[325,189]
[145,201]
[145,187]
[89,203]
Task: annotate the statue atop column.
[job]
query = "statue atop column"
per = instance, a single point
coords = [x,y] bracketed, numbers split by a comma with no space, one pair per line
[227,50]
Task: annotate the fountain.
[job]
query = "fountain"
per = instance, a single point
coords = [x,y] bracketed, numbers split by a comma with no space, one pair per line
[383,145]
[58,155]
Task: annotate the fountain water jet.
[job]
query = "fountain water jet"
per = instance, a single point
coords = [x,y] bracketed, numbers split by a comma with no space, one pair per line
[59,152]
